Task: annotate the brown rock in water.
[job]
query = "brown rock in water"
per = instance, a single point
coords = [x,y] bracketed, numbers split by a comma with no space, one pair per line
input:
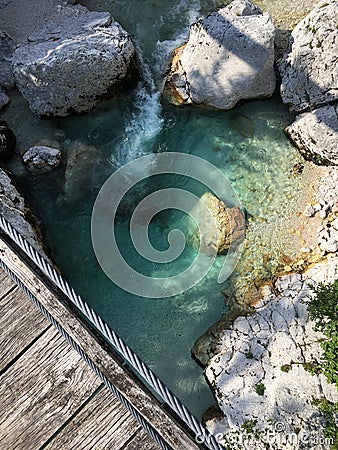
[222,228]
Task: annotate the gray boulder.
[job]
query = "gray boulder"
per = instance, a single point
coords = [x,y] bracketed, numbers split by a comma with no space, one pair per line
[309,69]
[73,62]
[220,229]
[316,134]
[229,57]
[42,158]
[7,48]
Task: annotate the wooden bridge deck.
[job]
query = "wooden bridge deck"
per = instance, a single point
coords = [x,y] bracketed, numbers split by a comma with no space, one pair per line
[50,398]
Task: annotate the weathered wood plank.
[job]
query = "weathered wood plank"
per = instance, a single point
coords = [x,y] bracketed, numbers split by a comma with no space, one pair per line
[41,391]
[6,284]
[103,424]
[146,405]
[20,324]
[142,441]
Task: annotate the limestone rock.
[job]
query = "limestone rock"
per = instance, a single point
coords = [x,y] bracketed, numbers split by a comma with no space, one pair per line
[309,69]
[42,157]
[271,347]
[73,62]
[316,134]
[7,48]
[229,57]
[7,141]
[14,209]
[221,228]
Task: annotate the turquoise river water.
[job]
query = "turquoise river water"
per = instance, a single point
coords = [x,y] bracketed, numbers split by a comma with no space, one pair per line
[247,144]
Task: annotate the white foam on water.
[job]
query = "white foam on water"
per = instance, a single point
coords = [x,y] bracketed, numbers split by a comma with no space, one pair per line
[144,122]
[190,11]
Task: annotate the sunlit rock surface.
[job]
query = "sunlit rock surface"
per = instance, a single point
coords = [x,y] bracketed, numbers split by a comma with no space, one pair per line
[221,228]
[260,375]
[309,69]
[229,56]
[73,62]
[315,133]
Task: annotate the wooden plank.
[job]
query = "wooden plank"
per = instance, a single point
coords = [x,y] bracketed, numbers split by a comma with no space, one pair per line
[41,391]
[20,324]
[142,441]
[118,375]
[6,284]
[103,424]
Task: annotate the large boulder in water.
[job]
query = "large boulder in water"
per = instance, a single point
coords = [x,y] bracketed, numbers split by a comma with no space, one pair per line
[7,141]
[309,69]
[72,63]
[315,134]
[229,57]
[222,228]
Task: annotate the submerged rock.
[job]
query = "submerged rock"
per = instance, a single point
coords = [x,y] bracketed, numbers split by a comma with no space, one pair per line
[7,48]
[309,69]
[315,134]
[81,164]
[229,56]
[73,62]
[242,124]
[221,229]
[7,141]
[42,158]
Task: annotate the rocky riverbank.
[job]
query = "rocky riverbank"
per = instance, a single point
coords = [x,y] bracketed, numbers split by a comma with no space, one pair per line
[261,367]
[261,372]
[257,349]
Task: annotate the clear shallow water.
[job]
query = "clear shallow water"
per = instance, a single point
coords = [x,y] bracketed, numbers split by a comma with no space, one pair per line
[247,144]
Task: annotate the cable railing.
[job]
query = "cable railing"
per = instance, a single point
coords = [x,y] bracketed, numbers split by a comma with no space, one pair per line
[135,362]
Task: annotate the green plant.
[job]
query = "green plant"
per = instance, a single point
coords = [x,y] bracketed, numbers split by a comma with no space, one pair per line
[330,411]
[249,426]
[249,355]
[286,368]
[260,388]
[314,367]
[323,310]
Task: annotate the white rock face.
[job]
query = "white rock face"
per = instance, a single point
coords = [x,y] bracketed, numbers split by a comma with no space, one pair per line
[309,68]
[14,209]
[270,348]
[74,61]
[42,157]
[229,56]
[316,133]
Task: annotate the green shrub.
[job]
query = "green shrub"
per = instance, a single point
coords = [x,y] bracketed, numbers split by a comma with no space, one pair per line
[330,411]
[323,310]
[260,388]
